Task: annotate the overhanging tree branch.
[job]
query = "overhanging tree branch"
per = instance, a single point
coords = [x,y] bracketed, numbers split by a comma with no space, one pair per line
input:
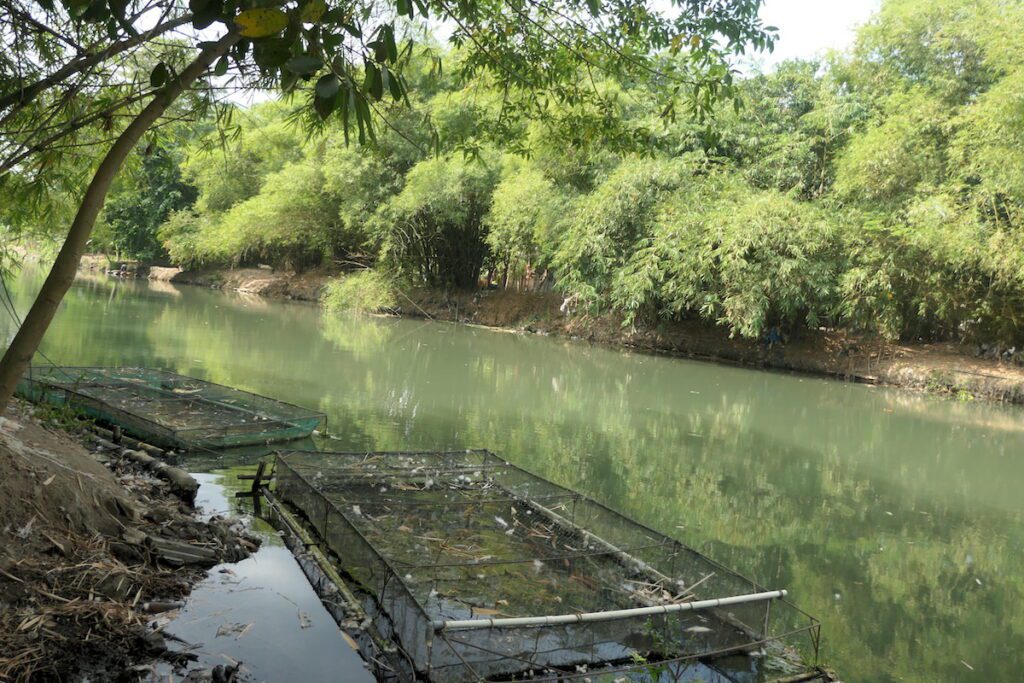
[23,96]
[62,273]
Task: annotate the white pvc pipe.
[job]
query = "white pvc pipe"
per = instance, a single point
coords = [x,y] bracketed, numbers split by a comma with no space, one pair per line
[556,619]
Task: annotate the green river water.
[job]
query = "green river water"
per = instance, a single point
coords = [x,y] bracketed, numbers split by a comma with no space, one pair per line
[895,518]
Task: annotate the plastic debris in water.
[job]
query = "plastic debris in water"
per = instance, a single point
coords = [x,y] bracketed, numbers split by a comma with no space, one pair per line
[356,510]
[501,522]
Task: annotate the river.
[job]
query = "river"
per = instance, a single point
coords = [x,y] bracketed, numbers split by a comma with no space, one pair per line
[895,518]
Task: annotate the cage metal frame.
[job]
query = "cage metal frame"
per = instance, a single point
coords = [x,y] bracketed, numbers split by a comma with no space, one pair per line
[393,581]
[39,384]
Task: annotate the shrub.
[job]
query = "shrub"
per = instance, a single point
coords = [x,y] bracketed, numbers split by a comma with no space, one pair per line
[522,223]
[181,236]
[606,225]
[741,258]
[366,291]
[935,273]
[434,230]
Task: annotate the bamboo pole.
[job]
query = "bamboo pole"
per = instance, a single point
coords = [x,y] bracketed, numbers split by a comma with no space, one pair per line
[609,615]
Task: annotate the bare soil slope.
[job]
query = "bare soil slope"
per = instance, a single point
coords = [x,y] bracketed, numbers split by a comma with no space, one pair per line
[80,569]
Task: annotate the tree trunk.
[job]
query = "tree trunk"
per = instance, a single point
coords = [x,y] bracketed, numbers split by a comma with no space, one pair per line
[62,273]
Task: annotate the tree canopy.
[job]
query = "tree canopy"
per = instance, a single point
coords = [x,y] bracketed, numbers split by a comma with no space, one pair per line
[875,190]
[75,72]
[84,73]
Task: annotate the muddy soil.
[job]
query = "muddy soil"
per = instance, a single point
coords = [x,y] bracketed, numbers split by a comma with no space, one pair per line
[91,551]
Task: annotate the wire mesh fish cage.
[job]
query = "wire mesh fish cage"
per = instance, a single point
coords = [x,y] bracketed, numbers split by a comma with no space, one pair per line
[167,409]
[486,571]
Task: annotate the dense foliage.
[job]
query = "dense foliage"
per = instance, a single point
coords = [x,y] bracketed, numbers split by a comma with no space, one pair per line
[880,190]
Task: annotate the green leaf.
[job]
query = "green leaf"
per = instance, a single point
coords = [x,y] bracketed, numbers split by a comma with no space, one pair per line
[158,76]
[594,6]
[387,32]
[271,54]
[363,109]
[380,50]
[393,84]
[222,66]
[205,12]
[359,119]
[241,48]
[260,23]
[312,11]
[333,16]
[304,65]
[289,81]
[96,12]
[327,86]
[332,41]
[372,83]
[344,105]
[324,105]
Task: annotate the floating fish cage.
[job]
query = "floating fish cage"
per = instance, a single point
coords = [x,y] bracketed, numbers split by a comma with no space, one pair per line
[485,571]
[167,409]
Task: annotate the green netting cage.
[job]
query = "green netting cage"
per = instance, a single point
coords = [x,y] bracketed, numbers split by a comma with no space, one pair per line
[167,409]
[485,571]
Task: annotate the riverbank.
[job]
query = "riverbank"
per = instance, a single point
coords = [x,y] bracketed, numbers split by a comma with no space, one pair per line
[89,556]
[942,368]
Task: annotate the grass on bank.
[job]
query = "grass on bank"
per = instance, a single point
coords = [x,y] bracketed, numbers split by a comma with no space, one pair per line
[366,291]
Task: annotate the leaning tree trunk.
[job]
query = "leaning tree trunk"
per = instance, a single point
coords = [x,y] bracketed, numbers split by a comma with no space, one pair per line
[19,354]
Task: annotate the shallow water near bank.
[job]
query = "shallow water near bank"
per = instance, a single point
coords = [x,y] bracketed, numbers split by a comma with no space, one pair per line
[896,518]
[260,612]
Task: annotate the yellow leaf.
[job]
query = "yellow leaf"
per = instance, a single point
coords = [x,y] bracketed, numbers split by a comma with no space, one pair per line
[260,23]
[311,12]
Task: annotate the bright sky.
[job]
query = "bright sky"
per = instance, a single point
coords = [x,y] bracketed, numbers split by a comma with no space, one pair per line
[810,28]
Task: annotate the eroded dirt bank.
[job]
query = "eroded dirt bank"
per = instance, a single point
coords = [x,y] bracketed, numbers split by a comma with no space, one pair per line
[941,368]
[85,565]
